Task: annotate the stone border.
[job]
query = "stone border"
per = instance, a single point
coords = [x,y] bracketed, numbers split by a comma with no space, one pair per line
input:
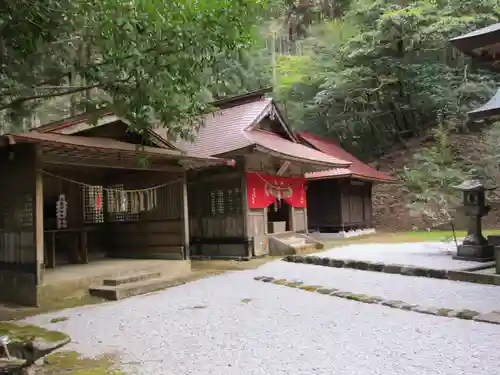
[456,275]
[491,317]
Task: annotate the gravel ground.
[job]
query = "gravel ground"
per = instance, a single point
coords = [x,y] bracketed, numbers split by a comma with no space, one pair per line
[206,327]
[436,255]
[413,290]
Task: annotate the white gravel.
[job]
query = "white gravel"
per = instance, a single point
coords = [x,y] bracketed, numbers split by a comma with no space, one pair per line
[280,331]
[437,255]
[413,290]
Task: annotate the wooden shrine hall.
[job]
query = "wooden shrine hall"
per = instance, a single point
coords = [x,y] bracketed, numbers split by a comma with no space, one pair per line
[73,193]
[340,198]
[244,211]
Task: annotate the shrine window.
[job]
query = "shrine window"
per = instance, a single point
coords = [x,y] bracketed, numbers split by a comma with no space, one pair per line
[93,211]
[121,205]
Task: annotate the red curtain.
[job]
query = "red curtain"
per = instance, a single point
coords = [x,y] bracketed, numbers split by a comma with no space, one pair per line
[263,190]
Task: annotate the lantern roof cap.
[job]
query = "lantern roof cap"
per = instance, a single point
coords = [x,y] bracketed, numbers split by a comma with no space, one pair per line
[474,185]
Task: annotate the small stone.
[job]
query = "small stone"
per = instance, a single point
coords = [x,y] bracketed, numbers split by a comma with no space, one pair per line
[421,272]
[310,288]
[467,314]
[379,267]
[407,307]
[259,278]
[280,282]
[407,271]
[492,317]
[299,259]
[337,263]
[438,274]
[373,299]
[309,260]
[348,263]
[357,297]
[268,279]
[425,310]
[324,291]
[325,261]
[392,268]
[360,265]
[394,304]
[288,258]
[294,284]
[444,312]
[339,293]
[317,261]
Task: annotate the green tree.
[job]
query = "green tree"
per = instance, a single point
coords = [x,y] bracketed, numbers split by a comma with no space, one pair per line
[387,82]
[431,178]
[145,59]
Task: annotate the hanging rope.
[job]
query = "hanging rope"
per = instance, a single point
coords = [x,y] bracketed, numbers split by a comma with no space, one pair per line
[113,189]
[270,184]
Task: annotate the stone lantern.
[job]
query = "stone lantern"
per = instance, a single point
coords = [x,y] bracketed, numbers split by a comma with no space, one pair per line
[475,247]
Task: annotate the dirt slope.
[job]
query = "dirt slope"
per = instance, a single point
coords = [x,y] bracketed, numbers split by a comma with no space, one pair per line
[390,201]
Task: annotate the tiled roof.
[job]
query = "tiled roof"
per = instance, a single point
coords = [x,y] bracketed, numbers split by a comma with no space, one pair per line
[222,131]
[356,169]
[273,142]
[231,129]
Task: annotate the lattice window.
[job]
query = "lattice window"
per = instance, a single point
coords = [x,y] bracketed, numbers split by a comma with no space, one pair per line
[225,201]
[93,211]
[121,205]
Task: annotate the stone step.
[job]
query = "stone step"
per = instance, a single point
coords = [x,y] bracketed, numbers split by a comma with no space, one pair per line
[118,292]
[131,278]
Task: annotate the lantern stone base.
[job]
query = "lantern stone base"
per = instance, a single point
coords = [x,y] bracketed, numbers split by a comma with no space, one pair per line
[476,253]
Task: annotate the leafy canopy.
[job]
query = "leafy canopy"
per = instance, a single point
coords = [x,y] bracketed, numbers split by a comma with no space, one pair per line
[145,59]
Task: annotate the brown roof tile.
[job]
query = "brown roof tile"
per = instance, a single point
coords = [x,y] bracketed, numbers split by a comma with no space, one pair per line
[356,169]
[231,128]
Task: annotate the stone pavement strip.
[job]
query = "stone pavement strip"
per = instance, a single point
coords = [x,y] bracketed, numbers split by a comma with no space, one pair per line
[491,317]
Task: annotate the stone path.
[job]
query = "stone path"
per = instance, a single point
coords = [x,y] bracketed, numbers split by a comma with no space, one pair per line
[233,324]
[418,290]
[436,255]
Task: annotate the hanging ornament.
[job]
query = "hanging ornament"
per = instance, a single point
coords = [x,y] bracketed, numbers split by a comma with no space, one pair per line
[61,212]
[98,201]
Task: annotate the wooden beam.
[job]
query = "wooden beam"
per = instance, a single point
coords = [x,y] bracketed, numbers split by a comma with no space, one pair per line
[108,164]
[38,215]
[185,217]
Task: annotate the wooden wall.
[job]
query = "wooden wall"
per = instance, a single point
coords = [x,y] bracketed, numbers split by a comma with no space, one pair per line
[335,204]
[155,233]
[19,263]
[216,213]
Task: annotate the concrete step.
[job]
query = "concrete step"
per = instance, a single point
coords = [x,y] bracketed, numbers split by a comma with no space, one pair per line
[131,278]
[118,292]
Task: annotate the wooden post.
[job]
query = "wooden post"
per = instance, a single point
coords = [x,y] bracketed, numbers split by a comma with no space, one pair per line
[185,216]
[245,210]
[38,215]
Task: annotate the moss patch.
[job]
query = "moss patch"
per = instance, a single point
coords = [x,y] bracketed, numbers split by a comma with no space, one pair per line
[246,300]
[59,319]
[280,282]
[294,284]
[26,332]
[72,363]
[311,288]
[444,312]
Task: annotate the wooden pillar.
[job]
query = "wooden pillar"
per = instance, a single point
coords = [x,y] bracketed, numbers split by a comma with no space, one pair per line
[38,216]
[185,217]
[245,210]
[293,225]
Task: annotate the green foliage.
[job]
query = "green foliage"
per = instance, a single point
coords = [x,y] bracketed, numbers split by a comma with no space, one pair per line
[149,61]
[385,71]
[431,178]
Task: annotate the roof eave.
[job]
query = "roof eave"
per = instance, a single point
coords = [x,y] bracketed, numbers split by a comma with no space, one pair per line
[300,160]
